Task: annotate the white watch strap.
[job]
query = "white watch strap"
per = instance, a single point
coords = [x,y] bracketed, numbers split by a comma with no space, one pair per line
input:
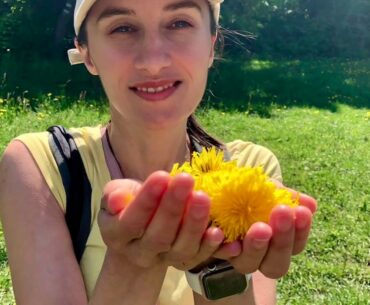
[194,281]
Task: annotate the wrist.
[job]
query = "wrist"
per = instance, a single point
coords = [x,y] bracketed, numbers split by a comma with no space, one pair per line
[118,260]
[121,280]
[217,280]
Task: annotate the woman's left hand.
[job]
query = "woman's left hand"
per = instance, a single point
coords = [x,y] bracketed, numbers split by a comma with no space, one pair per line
[269,247]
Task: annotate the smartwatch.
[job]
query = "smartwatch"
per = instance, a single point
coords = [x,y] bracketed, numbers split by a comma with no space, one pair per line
[217,280]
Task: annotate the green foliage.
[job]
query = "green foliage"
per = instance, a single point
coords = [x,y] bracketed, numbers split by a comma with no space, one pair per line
[10,12]
[301,28]
[28,29]
[256,85]
[40,76]
[285,29]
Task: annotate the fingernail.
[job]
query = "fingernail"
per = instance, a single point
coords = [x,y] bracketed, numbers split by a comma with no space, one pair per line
[260,243]
[158,189]
[181,193]
[284,225]
[234,248]
[217,237]
[199,211]
[301,223]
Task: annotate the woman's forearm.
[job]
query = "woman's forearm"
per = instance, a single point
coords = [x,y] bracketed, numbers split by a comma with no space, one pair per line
[121,282]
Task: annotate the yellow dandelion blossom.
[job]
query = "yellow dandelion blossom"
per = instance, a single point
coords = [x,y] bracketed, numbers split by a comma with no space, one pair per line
[209,160]
[184,168]
[240,198]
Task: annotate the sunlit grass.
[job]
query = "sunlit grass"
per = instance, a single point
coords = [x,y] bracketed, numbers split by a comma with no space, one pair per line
[325,154]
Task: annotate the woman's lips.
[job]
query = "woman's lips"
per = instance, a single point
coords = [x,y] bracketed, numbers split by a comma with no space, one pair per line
[155,91]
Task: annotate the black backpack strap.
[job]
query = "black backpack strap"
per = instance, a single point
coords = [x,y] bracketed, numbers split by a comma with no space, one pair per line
[76,184]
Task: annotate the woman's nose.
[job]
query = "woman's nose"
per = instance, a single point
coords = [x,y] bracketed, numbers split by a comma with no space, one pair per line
[153,54]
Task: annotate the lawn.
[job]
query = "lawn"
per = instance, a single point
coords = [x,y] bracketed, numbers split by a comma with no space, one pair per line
[323,153]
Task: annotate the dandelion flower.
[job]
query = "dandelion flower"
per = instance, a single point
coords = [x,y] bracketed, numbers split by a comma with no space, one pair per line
[184,168]
[209,160]
[240,196]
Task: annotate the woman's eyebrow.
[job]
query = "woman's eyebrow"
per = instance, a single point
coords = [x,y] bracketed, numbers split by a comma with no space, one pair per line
[114,11]
[183,4]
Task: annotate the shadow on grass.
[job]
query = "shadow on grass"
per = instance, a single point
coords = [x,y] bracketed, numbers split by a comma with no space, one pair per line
[254,86]
[257,85]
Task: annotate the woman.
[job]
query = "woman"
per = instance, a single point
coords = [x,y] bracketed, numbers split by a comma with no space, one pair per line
[152,58]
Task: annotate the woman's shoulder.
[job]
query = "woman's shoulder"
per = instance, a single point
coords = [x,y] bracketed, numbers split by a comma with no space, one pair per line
[37,145]
[250,154]
[38,142]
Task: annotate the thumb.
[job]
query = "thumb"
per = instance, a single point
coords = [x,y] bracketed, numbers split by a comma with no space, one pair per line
[118,194]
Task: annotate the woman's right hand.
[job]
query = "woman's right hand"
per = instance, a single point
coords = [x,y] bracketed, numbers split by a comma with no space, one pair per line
[165,223]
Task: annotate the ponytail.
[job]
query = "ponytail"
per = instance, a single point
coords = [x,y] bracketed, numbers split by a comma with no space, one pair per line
[199,135]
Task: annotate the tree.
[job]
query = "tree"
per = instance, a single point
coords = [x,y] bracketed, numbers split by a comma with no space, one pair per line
[28,27]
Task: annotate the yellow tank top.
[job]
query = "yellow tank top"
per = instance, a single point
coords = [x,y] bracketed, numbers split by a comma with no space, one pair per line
[175,289]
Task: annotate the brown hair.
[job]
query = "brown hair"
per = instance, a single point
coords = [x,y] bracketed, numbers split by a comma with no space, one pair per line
[194,129]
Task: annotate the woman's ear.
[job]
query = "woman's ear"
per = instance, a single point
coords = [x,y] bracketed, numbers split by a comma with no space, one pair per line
[85,55]
[212,53]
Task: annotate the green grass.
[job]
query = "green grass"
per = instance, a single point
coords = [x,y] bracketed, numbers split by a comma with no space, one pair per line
[323,153]
[256,84]
[246,85]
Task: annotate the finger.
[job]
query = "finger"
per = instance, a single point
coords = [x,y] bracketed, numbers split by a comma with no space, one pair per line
[304,199]
[135,218]
[277,259]
[112,204]
[162,230]
[229,250]
[109,188]
[303,221]
[194,225]
[308,202]
[118,199]
[212,239]
[109,229]
[255,245]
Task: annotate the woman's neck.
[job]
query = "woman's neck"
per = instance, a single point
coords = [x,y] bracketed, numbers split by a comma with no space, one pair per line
[140,152]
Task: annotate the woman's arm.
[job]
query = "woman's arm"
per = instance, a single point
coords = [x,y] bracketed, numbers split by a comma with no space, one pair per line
[264,289]
[43,266]
[125,283]
[42,263]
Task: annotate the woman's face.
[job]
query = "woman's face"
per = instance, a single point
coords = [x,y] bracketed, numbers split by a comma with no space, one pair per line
[152,57]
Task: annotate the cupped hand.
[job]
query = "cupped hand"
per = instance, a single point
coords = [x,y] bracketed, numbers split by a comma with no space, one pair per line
[166,222]
[269,247]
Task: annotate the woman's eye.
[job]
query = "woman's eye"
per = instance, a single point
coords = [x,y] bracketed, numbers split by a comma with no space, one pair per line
[180,24]
[124,29]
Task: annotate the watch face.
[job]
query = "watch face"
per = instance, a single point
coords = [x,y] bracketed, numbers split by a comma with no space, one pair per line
[223,283]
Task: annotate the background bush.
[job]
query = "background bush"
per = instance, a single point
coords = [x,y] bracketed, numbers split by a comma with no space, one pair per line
[288,36]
